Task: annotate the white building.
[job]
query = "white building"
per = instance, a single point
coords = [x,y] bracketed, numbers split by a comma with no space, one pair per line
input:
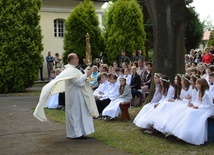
[53,15]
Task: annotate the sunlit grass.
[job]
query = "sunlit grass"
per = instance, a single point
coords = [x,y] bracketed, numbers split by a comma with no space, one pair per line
[124,135]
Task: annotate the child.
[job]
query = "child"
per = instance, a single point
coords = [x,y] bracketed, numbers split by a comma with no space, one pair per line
[204,95]
[127,76]
[94,76]
[110,94]
[113,109]
[194,91]
[177,86]
[52,75]
[190,124]
[155,99]
[210,69]
[53,102]
[167,92]
[169,115]
[186,92]
[202,70]
[103,86]
[191,95]
[57,71]
[166,110]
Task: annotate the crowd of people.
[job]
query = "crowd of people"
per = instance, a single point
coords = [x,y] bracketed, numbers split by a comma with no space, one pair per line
[178,108]
[181,108]
[134,70]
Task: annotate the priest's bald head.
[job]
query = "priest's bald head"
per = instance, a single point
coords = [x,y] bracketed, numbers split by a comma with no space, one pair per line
[73,59]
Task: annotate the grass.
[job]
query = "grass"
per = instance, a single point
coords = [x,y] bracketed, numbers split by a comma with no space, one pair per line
[127,137]
[124,135]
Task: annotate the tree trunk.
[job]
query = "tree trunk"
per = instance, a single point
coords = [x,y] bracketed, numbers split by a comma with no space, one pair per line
[169,18]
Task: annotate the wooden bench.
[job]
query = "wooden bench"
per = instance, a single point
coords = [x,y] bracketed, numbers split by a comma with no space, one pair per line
[125,110]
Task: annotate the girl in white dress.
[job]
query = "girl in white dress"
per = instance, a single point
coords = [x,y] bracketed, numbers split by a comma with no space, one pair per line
[156,97]
[53,101]
[167,91]
[194,91]
[113,109]
[179,109]
[173,109]
[164,111]
[191,123]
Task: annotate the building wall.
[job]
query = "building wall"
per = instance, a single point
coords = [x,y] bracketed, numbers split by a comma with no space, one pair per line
[51,10]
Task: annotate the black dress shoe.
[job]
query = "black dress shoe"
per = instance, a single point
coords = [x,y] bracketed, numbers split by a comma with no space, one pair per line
[81,137]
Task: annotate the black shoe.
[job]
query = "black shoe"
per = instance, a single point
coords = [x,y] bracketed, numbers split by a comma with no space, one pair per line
[81,137]
[99,117]
[108,118]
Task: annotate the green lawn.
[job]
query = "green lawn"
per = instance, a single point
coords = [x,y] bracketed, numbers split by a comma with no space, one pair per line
[126,136]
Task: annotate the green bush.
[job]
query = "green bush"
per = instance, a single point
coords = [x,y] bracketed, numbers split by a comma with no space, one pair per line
[20,44]
[124,29]
[82,20]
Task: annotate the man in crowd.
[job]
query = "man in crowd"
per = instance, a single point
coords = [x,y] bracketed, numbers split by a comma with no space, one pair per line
[49,60]
[124,58]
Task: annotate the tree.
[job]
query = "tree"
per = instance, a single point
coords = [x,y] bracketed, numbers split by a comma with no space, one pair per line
[148,29]
[194,31]
[81,21]
[124,29]
[169,19]
[211,39]
[20,44]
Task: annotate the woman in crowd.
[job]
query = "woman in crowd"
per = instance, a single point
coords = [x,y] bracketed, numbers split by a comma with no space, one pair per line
[57,60]
[207,58]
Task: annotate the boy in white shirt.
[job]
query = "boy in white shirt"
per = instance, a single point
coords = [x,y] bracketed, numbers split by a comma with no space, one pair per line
[103,87]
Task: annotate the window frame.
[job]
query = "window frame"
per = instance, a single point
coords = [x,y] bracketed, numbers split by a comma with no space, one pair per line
[59,27]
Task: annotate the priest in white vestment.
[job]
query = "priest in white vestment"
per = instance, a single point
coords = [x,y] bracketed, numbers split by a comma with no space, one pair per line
[80,105]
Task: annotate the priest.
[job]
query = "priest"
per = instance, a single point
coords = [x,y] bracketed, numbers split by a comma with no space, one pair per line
[79,102]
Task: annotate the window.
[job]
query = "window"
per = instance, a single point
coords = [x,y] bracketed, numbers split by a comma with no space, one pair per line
[59,27]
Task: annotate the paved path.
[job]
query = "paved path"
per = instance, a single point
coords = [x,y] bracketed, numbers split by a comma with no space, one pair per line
[22,134]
